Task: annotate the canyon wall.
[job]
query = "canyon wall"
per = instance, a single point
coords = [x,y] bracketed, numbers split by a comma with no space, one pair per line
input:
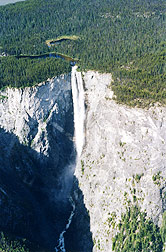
[123,161]
[37,163]
[36,153]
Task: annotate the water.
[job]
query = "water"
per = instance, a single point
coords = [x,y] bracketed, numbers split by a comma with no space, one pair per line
[61,245]
[4,2]
[79,118]
[48,55]
[79,109]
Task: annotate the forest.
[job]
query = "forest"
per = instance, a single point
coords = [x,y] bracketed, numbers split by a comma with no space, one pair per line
[28,72]
[126,38]
[138,233]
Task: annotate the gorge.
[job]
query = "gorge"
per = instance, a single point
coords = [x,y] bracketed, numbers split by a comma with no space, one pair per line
[120,162]
[83,126]
[37,125]
[79,117]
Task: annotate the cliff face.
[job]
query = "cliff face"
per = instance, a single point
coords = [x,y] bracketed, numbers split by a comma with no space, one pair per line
[37,161]
[36,148]
[42,119]
[123,161]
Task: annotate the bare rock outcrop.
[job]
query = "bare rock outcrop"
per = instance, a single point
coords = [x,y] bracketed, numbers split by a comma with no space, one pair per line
[123,161]
[36,147]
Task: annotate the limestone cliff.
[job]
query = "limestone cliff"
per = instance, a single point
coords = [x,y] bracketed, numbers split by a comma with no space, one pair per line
[36,147]
[123,161]
[37,161]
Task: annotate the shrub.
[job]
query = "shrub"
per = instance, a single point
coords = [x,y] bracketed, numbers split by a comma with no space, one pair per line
[137,233]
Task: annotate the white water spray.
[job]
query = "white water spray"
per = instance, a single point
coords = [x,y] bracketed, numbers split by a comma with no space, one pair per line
[79,118]
[79,109]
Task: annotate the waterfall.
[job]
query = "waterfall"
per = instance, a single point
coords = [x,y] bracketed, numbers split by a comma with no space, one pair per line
[79,118]
[79,109]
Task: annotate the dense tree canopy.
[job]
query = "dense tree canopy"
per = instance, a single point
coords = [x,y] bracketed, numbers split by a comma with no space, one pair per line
[126,38]
[27,72]
[137,233]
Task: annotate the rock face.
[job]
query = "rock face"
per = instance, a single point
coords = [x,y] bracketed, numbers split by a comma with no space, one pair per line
[37,162]
[123,161]
[36,148]
[41,118]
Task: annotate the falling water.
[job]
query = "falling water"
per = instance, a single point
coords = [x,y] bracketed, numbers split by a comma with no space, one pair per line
[79,109]
[79,117]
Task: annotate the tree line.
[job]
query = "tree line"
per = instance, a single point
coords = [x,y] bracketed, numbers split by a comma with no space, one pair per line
[126,38]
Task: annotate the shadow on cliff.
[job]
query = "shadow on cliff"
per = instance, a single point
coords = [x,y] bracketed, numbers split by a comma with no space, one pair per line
[34,197]
[78,238]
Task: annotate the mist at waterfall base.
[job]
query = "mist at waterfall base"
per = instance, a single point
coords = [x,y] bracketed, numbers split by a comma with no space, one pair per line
[79,118]
[38,205]
[65,183]
[66,179]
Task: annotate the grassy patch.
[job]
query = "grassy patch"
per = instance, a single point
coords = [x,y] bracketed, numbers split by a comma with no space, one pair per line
[49,42]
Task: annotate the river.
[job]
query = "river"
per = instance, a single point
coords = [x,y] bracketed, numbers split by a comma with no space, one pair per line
[79,119]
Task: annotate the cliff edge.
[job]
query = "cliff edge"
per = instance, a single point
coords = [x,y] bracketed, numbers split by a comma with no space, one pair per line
[123,162]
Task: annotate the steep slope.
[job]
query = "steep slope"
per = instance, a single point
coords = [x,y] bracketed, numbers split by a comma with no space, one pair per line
[37,161]
[123,161]
[36,149]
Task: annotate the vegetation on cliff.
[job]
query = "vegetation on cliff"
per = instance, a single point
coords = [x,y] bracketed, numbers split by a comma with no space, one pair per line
[126,38]
[11,246]
[136,232]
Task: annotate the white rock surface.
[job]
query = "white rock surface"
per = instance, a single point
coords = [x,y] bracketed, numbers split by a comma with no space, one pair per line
[125,147]
[121,142]
[36,145]
[26,112]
